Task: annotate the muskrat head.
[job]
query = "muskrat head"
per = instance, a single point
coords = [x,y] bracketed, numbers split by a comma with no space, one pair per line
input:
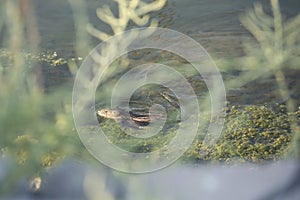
[108,113]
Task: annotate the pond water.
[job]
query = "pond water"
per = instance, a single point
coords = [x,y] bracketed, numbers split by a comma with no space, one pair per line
[219,17]
[214,24]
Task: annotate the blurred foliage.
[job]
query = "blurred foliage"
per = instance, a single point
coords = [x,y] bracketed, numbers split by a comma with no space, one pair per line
[36,128]
[277,50]
[272,52]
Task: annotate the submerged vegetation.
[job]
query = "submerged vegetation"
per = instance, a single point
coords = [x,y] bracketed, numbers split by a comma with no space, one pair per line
[37,128]
[251,133]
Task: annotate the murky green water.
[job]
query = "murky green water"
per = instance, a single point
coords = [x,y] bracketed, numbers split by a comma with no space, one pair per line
[216,17]
[213,23]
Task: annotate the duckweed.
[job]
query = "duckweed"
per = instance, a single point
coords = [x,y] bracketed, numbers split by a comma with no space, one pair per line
[251,133]
[134,144]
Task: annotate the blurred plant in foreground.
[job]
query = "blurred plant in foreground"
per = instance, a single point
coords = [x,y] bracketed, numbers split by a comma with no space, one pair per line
[277,51]
[36,128]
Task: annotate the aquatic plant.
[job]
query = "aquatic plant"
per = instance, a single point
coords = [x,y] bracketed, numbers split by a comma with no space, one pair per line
[136,11]
[251,133]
